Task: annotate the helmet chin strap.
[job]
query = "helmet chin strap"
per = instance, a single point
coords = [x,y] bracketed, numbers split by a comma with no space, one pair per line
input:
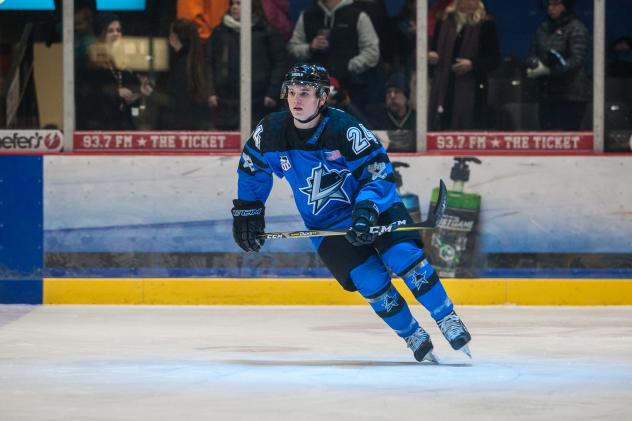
[316,114]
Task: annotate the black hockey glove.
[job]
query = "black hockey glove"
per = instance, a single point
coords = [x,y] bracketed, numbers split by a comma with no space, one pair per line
[248,221]
[364,216]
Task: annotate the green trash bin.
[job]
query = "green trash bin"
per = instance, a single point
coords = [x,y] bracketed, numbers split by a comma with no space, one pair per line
[453,248]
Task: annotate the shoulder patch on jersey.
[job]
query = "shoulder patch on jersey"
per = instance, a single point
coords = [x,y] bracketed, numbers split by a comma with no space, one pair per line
[285,162]
[377,170]
[248,162]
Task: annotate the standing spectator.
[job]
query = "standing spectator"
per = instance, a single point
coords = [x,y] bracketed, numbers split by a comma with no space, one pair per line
[401,53]
[558,56]
[620,58]
[107,90]
[269,63]
[187,87]
[340,36]
[397,116]
[463,51]
[84,31]
[277,14]
[206,14]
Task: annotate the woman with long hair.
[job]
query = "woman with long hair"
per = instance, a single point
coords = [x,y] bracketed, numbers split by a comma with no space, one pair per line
[464,49]
[187,87]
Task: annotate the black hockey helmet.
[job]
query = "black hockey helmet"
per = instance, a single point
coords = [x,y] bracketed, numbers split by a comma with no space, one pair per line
[306,74]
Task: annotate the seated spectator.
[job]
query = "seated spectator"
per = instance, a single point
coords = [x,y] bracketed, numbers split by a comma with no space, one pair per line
[620,58]
[464,49]
[558,57]
[396,116]
[186,105]
[206,14]
[269,63]
[108,92]
[340,36]
[339,98]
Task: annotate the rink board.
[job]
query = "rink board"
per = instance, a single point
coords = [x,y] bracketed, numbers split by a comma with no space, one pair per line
[168,217]
[222,291]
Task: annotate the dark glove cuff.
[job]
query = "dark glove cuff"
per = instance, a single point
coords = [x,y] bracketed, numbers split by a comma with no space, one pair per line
[246,209]
[367,206]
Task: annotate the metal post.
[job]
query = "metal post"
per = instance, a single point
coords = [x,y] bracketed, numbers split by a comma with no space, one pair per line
[599,74]
[245,70]
[68,72]
[422,76]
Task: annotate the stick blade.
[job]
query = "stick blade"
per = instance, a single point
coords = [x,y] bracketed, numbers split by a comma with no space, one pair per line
[442,202]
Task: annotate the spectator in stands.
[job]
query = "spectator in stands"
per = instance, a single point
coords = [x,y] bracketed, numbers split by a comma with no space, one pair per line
[186,107]
[463,51]
[108,92]
[396,116]
[402,51]
[340,36]
[269,63]
[620,58]
[206,14]
[277,14]
[84,31]
[377,12]
[558,56]
[339,98]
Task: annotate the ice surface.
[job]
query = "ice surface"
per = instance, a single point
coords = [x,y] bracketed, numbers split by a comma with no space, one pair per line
[309,363]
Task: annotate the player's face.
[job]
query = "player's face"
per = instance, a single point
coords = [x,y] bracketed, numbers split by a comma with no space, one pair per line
[302,101]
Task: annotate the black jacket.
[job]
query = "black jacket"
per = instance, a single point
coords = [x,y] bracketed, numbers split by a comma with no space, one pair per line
[99,106]
[569,37]
[269,64]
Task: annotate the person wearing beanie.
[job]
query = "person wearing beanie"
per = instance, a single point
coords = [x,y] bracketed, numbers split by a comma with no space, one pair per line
[558,57]
[396,115]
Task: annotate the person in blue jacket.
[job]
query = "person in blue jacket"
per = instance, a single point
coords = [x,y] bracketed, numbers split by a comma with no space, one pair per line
[341,177]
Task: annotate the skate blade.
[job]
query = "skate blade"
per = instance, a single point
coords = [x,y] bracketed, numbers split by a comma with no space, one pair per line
[431,358]
[466,350]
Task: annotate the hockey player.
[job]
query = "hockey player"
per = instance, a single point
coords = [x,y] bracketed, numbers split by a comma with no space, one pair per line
[341,177]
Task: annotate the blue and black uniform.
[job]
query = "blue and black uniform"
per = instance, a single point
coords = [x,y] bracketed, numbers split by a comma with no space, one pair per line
[330,168]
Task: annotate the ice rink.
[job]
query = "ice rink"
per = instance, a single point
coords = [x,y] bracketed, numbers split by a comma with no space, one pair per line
[309,363]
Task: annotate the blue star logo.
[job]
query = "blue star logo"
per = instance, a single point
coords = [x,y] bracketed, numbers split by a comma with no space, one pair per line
[325,185]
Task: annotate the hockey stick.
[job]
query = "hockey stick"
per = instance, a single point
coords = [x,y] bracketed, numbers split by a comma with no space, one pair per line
[430,223]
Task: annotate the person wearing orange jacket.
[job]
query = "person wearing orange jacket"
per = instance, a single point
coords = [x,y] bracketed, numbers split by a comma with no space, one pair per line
[206,14]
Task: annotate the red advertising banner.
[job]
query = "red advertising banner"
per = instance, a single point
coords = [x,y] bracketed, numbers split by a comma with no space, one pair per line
[31,141]
[549,142]
[156,142]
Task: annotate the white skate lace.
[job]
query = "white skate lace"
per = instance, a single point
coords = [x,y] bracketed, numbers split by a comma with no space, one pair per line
[451,327]
[415,340]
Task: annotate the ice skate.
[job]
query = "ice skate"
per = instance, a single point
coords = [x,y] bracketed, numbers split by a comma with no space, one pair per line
[455,332]
[421,345]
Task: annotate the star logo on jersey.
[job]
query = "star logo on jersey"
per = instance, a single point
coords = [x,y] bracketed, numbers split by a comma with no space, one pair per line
[325,185]
[390,301]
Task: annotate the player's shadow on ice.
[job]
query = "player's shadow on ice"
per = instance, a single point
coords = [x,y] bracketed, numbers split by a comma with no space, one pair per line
[339,363]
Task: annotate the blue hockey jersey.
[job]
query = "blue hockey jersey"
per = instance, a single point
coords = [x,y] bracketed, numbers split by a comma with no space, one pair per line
[340,164]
